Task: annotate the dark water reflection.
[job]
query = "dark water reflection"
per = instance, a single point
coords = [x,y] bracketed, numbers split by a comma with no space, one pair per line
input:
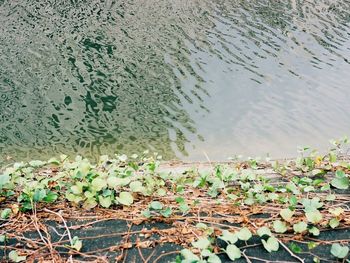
[178,77]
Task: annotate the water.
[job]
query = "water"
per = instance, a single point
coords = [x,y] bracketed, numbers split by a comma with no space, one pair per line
[183,78]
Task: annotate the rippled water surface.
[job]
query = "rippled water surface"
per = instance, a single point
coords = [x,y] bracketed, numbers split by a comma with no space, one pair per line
[181,77]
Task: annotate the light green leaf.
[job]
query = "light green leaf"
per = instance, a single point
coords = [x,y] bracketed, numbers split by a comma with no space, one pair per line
[5,214]
[77,243]
[213,259]
[336,211]
[300,227]
[166,212]
[233,252]
[189,256]
[13,256]
[314,217]
[330,197]
[339,251]
[4,179]
[39,195]
[262,231]
[201,243]
[36,163]
[76,189]
[229,237]
[98,184]
[89,203]
[105,201]
[341,181]
[333,223]
[184,208]
[295,248]
[125,198]
[279,226]
[161,192]
[271,244]
[114,182]
[136,186]
[286,214]
[3,238]
[311,204]
[244,234]
[314,230]
[156,205]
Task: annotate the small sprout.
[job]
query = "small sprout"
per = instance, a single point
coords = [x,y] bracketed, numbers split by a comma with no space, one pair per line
[271,244]
[279,226]
[339,251]
[233,252]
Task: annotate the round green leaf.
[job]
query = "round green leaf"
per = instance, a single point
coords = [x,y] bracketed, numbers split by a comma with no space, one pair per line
[229,237]
[6,213]
[125,198]
[156,205]
[314,217]
[340,183]
[262,231]
[279,226]
[271,244]
[98,184]
[286,214]
[189,256]
[244,234]
[339,251]
[13,256]
[333,223]
[233,252]
[314,230]
[201,243]
[300,227]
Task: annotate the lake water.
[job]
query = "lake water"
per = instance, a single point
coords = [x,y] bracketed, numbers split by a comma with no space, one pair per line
[185,78]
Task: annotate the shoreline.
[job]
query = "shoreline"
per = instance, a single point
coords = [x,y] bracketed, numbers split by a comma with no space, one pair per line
[72,209]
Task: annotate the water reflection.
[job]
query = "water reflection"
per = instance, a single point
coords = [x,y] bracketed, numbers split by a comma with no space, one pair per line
[178,77]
